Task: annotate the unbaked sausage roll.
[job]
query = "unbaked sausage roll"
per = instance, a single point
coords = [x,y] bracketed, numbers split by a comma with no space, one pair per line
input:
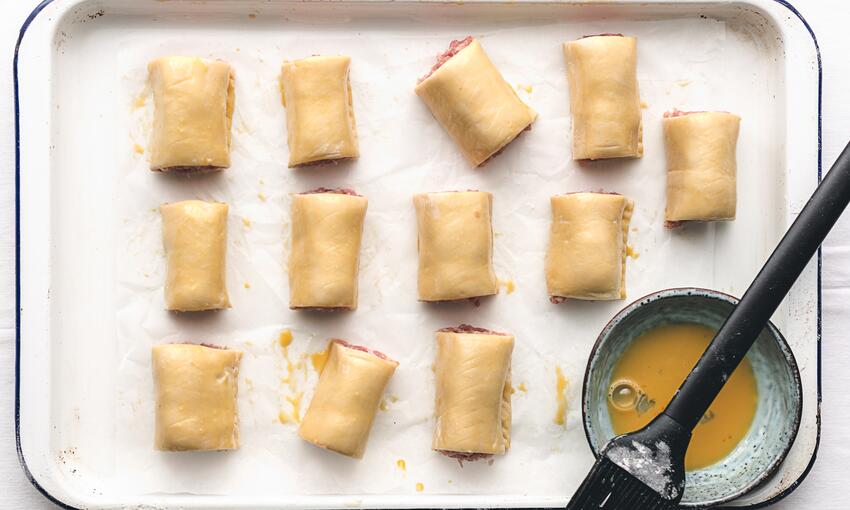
[195,239]
[319,110]
[193,111]
[701,165]
[346,399]
[326,229]
[455,245]
[471,100]
[586,258]
[473,412]
[604,98]
[195,397]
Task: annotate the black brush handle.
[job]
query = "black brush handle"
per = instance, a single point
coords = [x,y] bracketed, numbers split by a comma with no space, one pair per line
[773,282]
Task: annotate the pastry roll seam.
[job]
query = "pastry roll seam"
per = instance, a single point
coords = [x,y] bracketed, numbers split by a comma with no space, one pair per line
[347,398]
[194,100]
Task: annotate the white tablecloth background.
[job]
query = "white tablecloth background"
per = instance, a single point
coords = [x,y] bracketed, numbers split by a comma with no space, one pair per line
[825,486]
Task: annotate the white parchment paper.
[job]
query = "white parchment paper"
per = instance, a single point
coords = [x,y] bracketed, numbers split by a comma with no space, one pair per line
[689,63]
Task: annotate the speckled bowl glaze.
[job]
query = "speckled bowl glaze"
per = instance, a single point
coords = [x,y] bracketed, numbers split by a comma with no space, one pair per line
[780,400]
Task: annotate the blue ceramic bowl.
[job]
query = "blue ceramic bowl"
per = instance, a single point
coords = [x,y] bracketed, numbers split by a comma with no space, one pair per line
[780,398]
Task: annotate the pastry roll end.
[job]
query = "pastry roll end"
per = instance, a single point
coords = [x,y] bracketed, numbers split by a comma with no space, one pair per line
[193,112]
[319,110]
[196,387]
[701,165]
[586,256]
[195,239]
[347,398]
[473,400]
[468,96]
[604,97]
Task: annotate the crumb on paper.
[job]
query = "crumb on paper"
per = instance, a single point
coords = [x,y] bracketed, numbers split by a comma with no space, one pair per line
[683,83]
[527,88]
[383,405]
[643,105]
[630,252]
[246,222]
[261,196]
[522,387]
[252,16]
[139,101]
[401,465]
[561,396]
[246,285]
[138,149]
[420,487]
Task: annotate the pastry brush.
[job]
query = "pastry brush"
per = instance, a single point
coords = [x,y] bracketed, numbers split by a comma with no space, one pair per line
[646,469]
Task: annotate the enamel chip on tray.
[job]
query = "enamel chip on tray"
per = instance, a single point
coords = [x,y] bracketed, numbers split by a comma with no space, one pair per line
[473,102]
[473,405]
[347,398]
[193,112]
[196,388]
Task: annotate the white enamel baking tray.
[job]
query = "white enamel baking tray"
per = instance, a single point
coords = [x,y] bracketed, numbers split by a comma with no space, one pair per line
[90,261]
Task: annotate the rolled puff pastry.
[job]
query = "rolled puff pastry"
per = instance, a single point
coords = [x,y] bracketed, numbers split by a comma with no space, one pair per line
[195,397]
[455,245]
[193,111]
[586,258]
[479,109]
[346,399]
[701,166]
[319,110]
[604,98]
[473,372]
[195,239]
[325,259]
